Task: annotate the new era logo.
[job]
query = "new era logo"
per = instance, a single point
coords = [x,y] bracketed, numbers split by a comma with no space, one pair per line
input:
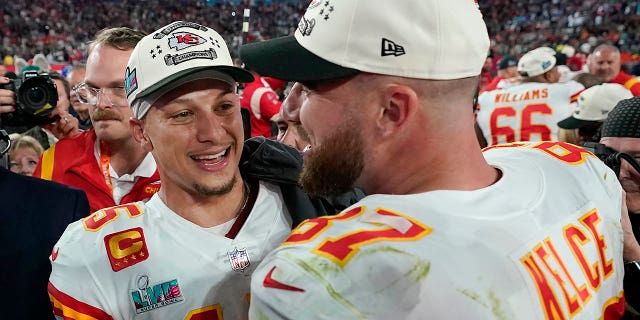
[390,48]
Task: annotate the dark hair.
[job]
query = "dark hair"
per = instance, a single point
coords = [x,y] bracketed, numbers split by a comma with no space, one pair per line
[588,80]
[67,86]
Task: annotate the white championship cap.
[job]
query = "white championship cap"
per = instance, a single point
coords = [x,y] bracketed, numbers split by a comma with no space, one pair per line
[594,104]
[174,55]
[536,62]
[424,39]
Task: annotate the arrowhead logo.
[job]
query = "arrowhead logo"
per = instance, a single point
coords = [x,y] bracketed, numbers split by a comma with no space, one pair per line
[270,282]
[183,40]
[54,254]
[390,48]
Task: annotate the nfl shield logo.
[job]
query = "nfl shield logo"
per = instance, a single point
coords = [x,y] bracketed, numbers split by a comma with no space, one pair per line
[239,259]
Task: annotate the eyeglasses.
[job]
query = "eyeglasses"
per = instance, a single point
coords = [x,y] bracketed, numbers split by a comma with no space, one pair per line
[91,96]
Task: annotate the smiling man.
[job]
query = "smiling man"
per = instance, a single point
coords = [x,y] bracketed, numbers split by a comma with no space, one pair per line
[512,232]
[187,253]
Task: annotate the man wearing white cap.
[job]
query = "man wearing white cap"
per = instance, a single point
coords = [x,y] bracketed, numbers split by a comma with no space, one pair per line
[531,110]
[189,251]
[522,231]
[593,107]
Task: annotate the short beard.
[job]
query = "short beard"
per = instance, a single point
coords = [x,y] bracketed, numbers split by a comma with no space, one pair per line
[216,191]
[333,167]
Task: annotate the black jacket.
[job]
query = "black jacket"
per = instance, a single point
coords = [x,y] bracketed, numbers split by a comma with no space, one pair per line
[33,215]
[275,162]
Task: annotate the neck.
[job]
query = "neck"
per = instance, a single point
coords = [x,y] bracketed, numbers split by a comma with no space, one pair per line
[438,167]
[126,155]
[204,211]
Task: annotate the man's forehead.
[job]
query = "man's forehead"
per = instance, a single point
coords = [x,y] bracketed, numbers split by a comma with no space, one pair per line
[606,54]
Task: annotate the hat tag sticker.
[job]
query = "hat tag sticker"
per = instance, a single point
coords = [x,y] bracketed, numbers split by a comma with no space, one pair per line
[184,40]
[306,26]
[130,81]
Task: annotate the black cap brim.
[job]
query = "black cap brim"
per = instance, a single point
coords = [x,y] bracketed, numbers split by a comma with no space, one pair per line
[284,58]
[573,123]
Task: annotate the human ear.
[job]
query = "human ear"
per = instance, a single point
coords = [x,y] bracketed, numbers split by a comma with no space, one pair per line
[399,104]
[139,135]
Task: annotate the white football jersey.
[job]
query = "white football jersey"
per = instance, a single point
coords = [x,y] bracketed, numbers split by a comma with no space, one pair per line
[544,242]
[144,261]
[526,112]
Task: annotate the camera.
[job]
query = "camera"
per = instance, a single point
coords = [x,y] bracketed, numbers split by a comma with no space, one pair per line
[612,158]
[36,97]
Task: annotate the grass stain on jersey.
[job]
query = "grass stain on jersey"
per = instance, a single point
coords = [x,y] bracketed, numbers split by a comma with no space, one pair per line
[496,306]
[418,272]
[494,303]
[328,286]
[473,296]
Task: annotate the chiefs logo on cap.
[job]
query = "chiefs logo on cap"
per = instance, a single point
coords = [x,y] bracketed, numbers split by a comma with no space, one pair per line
[126,248]
[183,40]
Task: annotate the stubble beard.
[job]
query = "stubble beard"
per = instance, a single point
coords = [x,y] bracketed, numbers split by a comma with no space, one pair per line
[215,191]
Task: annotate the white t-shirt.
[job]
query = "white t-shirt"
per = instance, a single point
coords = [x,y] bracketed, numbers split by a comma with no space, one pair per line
[144,261]
[526,112]
[545,239]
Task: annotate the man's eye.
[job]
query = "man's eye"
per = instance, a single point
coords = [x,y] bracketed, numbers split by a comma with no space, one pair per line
[182,114]
[226,106]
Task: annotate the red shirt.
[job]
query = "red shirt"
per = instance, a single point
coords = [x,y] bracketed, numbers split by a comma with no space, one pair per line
[493,84]
[72,161]
[628,81]
[262,103]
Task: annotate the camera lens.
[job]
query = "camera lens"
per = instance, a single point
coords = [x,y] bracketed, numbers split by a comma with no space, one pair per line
[36,96]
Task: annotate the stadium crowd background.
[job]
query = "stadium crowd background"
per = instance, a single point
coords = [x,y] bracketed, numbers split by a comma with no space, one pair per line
[61,29]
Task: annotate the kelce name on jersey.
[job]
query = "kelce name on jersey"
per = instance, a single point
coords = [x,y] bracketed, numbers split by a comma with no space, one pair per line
[563,293]
[527,95]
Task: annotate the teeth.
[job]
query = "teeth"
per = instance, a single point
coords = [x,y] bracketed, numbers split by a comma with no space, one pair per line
[307,148]
[211,157]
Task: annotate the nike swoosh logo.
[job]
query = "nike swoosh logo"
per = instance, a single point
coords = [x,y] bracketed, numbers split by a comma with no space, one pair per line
[54,254]
[270,282]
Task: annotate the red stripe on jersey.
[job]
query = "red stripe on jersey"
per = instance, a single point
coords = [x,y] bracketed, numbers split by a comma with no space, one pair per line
[574,97]
[244,213]
[67,307]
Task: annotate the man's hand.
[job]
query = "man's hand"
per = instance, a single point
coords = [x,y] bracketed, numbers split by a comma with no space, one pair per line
[7,97]
[66,126]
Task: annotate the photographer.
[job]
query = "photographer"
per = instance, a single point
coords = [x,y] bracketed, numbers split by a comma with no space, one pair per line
[620,150]
[63,124]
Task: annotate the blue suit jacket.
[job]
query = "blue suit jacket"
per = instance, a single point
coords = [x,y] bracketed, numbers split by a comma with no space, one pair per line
[33,215]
